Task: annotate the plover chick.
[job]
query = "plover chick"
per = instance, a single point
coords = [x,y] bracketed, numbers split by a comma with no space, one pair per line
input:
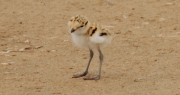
[89,35]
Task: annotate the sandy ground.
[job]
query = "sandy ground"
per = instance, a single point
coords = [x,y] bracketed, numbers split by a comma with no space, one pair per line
[37,56]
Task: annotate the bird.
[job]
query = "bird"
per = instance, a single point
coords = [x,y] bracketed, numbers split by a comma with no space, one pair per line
[89,35]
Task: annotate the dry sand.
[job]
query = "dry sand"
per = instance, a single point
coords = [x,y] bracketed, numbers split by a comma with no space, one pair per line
[37,56]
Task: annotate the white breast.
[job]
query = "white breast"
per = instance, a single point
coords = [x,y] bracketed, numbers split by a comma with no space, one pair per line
[80,40]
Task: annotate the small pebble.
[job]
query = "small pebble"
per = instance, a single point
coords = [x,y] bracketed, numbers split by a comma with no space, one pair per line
[146,23]
[169,3]
[162,19]
[124,16]
[5,64]
[53,50]
[22,49]
[27,41]
[4,52]
[65,40]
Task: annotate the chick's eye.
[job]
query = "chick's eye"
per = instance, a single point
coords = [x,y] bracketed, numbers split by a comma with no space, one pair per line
[82,26]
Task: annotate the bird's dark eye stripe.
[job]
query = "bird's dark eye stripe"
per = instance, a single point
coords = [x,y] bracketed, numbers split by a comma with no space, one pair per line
[86,22]
[93,31]
[103,34]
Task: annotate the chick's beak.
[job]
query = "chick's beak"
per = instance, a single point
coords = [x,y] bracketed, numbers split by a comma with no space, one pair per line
[72,30]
